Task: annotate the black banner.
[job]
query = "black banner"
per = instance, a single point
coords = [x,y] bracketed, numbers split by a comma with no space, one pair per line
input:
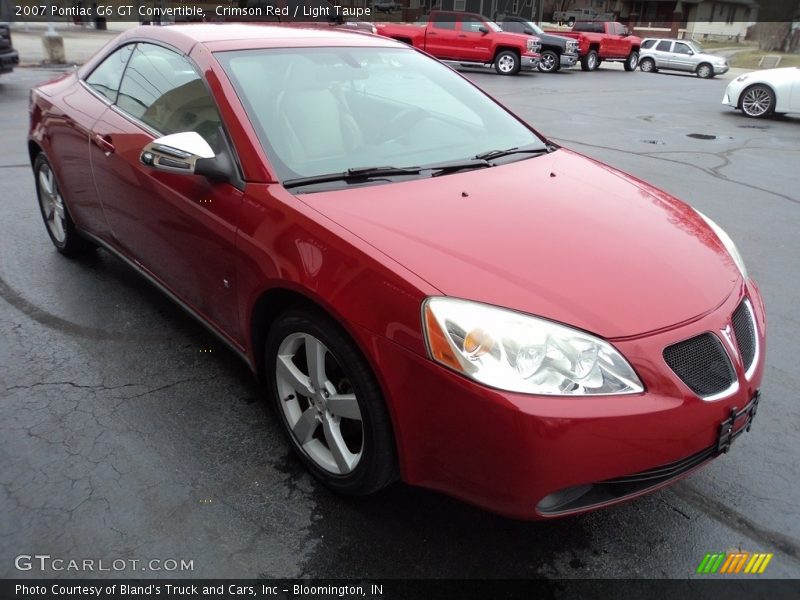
[745,588]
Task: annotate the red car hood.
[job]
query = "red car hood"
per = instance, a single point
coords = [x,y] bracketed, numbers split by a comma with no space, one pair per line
[559,236]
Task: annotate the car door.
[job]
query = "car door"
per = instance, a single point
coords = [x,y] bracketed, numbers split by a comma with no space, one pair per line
[682,57]
[70,135]
[441,35]
[662,53]
[471,41]
[794,98]
[179,228]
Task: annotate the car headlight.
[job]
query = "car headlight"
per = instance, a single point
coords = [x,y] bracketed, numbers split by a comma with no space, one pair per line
[727,242]
[520,353]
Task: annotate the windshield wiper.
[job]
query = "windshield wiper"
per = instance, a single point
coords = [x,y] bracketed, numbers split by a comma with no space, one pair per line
[455,166]
[352,175]
[492,154]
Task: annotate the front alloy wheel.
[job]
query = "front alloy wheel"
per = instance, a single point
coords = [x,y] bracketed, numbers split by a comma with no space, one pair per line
[549,62]
[632,61]
[758,101]
[705,71]
[507,63]
[591,61]
[329,403]
[647,65]
[56,217]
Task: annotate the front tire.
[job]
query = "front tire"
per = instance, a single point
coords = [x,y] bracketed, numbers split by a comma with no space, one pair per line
[57,220]
[705,71]
[632,61]
[329,403]
[758,101]
[550,62]
[590,61]
[507,62]
[648,65]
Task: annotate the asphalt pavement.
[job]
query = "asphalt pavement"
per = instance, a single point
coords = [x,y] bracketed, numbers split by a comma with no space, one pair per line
[128,432]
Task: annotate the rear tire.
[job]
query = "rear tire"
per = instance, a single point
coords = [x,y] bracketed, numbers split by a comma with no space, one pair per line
[58,222]
[590,61]
[329,403]
[648,65]
[507,62]
[632,61]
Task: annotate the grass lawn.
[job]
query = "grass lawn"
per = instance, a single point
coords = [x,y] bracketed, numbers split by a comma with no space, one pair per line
[750,58]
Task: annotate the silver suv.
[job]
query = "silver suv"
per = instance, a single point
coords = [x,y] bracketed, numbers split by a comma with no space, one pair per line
[679,55]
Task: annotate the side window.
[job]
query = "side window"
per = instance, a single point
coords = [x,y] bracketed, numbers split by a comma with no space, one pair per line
[162,89]
[681,48]
[106,77]
[444,21]
[647,44]
[663,46]
[471,24]
[513,26]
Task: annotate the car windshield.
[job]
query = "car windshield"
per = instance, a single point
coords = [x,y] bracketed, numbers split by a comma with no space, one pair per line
[534,27]
[320,111]
[698,49]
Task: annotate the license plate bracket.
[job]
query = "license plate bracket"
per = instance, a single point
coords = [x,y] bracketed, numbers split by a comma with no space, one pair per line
[727,431]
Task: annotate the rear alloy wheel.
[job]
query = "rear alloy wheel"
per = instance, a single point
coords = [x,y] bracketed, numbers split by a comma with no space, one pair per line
[632,61]
[55,214]
[329,403]
[590,61]
[705,71]
[758,101]
[549,62]
[648,65]
[507,63]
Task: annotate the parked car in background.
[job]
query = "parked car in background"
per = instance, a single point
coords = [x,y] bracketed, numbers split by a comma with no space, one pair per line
[604,40]
[680,55]
[428,288]
[9,58]
[387,6]
[557,51]
[764,93]
[467,39]
[580,14]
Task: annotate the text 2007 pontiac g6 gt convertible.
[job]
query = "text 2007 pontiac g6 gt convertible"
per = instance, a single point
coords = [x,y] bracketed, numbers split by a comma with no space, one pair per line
[431,290]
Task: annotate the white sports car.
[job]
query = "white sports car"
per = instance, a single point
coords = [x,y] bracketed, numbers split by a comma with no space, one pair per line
[767,92]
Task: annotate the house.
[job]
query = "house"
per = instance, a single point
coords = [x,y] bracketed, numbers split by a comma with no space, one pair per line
[697,19]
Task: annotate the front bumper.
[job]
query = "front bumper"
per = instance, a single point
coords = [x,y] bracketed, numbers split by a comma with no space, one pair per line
[569,60]
[721,69]
[8,61]
[511,453]
[530,62]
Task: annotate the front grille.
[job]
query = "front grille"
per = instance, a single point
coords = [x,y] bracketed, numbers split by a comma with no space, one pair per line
[745,334]
[702,364]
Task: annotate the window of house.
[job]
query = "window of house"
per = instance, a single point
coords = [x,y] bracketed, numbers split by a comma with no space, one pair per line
[106,77]
[460,5]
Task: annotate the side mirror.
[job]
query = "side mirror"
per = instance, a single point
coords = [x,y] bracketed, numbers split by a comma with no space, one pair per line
[176,153]
[483,30]
[527,31]
[187,153]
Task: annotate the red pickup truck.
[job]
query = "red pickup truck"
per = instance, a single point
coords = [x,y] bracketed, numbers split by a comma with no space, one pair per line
[467,38]
[604,40]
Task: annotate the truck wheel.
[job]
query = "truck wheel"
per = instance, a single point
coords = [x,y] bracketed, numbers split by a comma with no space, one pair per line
[632,61]
[507,63]
[550,62]
[648,65]
[590,61]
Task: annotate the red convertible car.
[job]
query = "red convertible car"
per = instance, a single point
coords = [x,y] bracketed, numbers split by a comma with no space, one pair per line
[430,289]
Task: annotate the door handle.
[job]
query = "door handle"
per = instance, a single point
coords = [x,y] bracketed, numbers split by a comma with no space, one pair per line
[462,35]
[104,143]
[431,33]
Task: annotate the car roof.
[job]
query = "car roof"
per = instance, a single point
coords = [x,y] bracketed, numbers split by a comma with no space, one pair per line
[243,36]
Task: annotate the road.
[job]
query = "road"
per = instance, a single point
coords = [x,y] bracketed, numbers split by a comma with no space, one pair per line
[127,432]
